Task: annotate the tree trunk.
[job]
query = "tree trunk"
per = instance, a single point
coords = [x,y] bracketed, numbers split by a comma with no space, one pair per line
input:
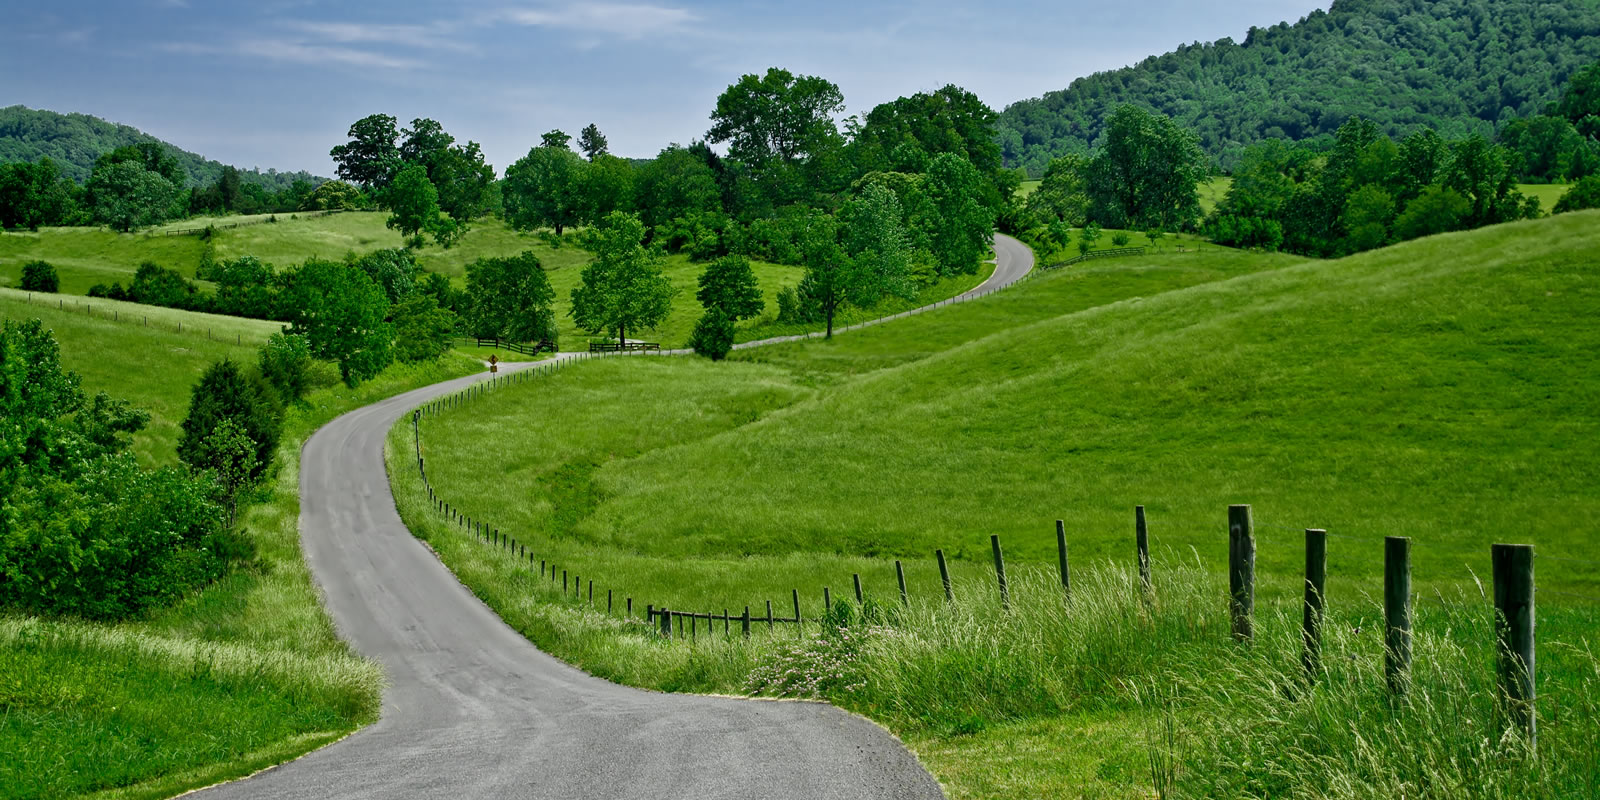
[622,334]
[558,230]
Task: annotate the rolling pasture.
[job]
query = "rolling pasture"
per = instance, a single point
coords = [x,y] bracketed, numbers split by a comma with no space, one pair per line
[1434,390]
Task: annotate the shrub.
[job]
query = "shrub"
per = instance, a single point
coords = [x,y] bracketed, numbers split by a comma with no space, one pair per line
[226,393]
[713,335]
[422,330]
[1120,239]
[40,276]
[285,361]
[1583,194]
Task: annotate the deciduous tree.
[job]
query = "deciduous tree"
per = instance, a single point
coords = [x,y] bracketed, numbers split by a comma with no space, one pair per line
[623,289]
[592,142]
[371,158]
[510,298]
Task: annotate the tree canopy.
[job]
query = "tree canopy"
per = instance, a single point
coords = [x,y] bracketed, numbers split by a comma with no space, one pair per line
[623,289]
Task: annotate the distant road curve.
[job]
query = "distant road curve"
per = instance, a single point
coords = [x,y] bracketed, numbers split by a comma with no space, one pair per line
[473,710]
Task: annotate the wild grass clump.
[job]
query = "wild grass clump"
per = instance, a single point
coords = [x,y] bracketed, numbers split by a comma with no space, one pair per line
[1272,731]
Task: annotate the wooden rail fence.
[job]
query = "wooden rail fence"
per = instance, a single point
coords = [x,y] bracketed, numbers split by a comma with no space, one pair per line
[270,218]
[1094,254]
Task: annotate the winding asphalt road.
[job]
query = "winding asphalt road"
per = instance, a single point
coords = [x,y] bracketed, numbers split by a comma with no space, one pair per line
[473,710]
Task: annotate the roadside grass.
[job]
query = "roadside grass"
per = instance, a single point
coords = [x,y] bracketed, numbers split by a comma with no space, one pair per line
[767,326]
[243,674]
[153,367]
[1436,389]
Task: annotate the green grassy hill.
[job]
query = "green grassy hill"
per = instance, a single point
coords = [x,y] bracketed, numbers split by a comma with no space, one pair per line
[1441,390]
[137,353]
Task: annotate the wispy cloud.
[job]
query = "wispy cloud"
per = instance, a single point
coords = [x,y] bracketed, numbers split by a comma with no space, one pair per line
[624,20]
[294,52]
[433,37]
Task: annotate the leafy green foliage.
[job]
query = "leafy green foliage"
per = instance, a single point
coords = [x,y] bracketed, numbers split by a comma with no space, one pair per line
[729,285]
[963,226]
[623,288]
[592,142]
[126,196]
[675,184]
[1146,174]
[510,298]
[285,363]
[875,241]
[422,330]
[415,203]
[1586,194]
[85,531]
[713,335]
[226,393]
[341,311]
[334,196]
[371,158]
[35,195]
[1458,66]
[542,190]
[40,276]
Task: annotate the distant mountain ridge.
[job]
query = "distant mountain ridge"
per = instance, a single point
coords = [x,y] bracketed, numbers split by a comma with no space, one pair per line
[74,141]
[1459,66]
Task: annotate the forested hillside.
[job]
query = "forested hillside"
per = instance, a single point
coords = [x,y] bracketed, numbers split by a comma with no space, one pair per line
[1457,66]
[74,141]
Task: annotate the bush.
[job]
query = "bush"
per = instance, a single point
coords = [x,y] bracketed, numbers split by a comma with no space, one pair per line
[422,330]
[40,276]
[226,393]
[285,362]
[1120,239]
[1583,194]
[713,335]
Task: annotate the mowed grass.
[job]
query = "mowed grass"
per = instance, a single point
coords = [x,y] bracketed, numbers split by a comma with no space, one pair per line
[242,675]
[136,353]
[1438,390]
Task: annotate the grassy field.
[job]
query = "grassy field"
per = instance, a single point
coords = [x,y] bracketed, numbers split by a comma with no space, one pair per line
[134,352]
[1212,192]
[242,675]
[1436,390]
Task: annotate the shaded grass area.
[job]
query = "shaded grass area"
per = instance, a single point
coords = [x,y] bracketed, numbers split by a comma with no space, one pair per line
[152,366]
[243,674]
[1438,390]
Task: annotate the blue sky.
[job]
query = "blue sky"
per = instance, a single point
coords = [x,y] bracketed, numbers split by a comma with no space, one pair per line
[275,83]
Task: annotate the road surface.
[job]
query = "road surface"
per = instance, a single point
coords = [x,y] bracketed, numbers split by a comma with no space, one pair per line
[473,710]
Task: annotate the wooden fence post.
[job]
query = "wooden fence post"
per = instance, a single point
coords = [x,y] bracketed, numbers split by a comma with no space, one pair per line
[1142,542]
[608,602]
[746,622]
[944,575]
[666,623]
[1397,611]
[769,615]
[797,622]
[563,583]
[1000,571]
[1316,583]
[1061,558]
[827,600]
[630,607]
[1514,621]
[857,578]
[1241,571]
[900,576]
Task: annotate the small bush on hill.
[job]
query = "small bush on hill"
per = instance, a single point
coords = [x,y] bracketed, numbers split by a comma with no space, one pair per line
[40,276]
[226,393]
[285,363]
[713,335]
[1583,194]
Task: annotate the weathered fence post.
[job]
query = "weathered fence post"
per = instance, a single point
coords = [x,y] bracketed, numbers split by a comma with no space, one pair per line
[1397,611]
[944,575]
[769,615]
[827,600]
[1061,558]
[591,592]
[857,578]
[746,622]
[797,626]
[900,577]
[1000,571]
[1316,583]
[563,583]
[541,568]
[666,623]
[725,617]
[1241,571]
[1514,622]
[630,607]
[608,601]
[1142,542]
[650,614]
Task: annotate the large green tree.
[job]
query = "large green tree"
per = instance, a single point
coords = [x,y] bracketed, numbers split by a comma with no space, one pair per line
[371,158]
[226,393]
[604,185]
[510,298]
[543,189]
[126,196]
[964,226]
[36,195]
[1146,174]
[592,142]
[728,284]
[879,251]
[675,184]
[623,289]
[415,205]
[778,116]
[341,312]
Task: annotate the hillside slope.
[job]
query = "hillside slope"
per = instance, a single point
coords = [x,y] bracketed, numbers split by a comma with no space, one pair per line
[1459,66]
[74,141]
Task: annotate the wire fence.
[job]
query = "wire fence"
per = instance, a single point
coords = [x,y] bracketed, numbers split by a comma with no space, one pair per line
[115,314]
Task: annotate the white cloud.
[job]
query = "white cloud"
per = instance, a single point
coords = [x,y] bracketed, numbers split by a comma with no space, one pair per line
[625,20]
[295,53]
